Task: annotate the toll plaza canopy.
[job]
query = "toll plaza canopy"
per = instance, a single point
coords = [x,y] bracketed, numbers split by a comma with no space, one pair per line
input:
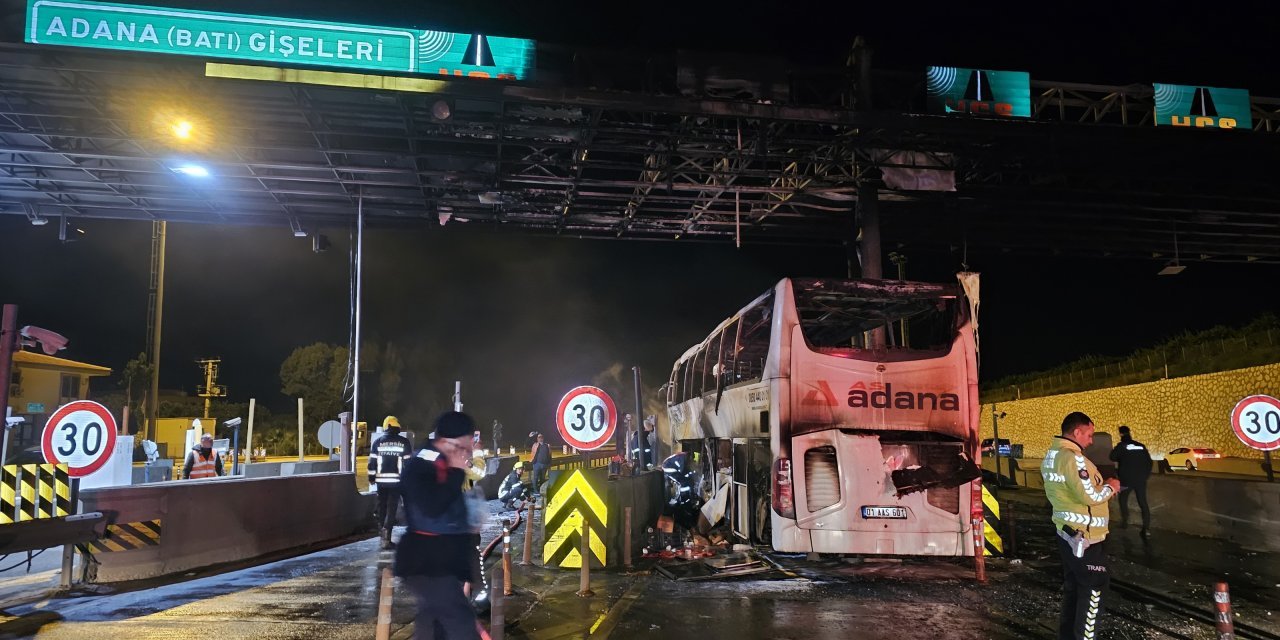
[673,146]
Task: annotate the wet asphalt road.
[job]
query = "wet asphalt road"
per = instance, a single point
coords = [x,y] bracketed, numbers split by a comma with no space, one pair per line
[332,594]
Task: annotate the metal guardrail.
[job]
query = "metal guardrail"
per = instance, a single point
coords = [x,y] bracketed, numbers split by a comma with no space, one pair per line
[584,460]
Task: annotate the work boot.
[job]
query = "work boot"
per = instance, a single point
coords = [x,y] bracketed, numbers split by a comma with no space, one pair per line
[386,541]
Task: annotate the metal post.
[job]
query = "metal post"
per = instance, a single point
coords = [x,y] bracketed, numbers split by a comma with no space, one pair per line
[528,532]
[626,539]
[248,439]
[159,232]
[506,560]
[584,584]
[1266,465]
[235,450]
[346,461]
[1222,607]
[995,428]
[8,343]
[639,422]
[457,395]
[497,605]
[869,218]
[355,345]
[300,451]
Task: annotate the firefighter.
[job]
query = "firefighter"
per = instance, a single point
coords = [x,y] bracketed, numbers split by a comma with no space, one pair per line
[386,459]
[1079,498]
[513,487]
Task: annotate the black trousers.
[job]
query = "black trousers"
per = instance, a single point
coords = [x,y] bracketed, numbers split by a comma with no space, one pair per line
[442,605]
[539,476]
[388,506]
[1084,584]
[1140,491]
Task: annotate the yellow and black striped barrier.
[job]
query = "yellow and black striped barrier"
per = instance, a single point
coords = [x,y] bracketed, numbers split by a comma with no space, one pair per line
[33,492]
[128,536]
[993,544]
[574,504]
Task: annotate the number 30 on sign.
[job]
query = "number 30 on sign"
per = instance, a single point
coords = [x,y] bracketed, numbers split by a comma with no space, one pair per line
[586,418]
[81,435]
[1256,421]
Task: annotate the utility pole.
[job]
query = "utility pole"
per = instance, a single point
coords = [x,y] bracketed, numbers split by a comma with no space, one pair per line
[210,388]
[155,317]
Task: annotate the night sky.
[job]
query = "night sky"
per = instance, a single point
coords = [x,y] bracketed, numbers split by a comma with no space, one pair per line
[520,319]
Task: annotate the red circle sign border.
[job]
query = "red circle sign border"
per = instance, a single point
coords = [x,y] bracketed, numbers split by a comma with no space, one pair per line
[1239,431]
[109,423]
[609,430]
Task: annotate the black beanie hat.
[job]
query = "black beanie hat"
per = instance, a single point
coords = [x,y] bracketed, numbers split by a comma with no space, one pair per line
[454,424]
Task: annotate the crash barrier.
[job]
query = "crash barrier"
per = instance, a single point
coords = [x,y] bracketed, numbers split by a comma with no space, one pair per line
[993,545]
[34,491]
[590,499]
[1010,470]
[163,528]
[1240,510]
[158,471]
[583,460]
[275,469]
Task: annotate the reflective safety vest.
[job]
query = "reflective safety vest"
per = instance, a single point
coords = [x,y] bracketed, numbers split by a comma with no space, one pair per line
[1075,489]
[203,467]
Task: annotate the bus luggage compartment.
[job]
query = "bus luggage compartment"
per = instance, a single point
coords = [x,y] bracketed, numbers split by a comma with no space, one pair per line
[901,493]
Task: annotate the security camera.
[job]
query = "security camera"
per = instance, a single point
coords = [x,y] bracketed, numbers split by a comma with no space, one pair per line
[14,421]
[234,422]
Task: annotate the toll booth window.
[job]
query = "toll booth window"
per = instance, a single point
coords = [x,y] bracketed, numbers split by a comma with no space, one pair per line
[70,386]
[753,341]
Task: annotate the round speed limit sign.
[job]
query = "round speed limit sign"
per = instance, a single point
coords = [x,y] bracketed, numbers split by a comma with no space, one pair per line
[1256,421]
[81,435]
[586,418]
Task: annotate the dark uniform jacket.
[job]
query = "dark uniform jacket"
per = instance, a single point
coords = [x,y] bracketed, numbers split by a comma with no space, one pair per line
[439,541]
[387,456]
[1134,461]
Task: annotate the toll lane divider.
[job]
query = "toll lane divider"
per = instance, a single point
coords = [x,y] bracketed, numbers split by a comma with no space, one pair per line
[169,527]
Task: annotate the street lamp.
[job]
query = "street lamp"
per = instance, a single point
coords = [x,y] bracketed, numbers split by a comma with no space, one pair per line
[182,129]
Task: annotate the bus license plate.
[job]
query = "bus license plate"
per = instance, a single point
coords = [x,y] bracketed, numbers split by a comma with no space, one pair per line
[884,512]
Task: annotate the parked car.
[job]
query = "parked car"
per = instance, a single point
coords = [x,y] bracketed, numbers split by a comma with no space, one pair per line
[1189,458]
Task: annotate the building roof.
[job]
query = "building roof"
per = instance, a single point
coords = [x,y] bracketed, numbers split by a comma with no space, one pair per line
[49,362]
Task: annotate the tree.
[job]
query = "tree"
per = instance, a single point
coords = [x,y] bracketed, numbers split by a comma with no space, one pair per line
[137,382]
[317,374]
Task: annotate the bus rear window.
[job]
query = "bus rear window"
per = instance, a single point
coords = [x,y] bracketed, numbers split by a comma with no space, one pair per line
[849,318]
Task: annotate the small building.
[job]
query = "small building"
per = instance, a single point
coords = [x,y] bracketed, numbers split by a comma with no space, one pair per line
[39,385]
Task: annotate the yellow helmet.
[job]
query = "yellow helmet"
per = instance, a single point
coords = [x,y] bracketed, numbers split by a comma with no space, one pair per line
[519,465]
[390,421]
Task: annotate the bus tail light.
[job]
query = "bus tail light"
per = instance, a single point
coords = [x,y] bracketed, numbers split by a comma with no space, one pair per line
[784,503]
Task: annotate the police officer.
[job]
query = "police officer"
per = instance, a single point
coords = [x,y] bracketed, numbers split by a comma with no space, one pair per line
[1079,498]
[438,554]
[1134,462]
[386,459]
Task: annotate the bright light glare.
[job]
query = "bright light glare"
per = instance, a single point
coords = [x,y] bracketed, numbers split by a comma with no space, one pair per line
[193,170]
[182,129]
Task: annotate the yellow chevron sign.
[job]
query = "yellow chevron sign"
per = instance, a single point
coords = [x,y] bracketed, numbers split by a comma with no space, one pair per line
[994,545]
[573,504]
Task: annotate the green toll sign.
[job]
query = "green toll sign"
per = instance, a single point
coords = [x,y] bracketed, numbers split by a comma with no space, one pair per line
[210,34]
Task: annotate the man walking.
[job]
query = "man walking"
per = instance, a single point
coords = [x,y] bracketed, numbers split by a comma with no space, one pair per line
[1134,462]
[386,460]
[438,554]
[203,461]
[1079,498]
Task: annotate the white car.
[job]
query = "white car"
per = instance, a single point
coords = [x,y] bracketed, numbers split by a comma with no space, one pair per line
[1189,458]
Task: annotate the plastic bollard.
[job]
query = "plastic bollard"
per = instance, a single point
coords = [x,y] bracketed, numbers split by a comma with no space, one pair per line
[506,561]
[1222,609]
[626,539]
[584,590]
[527,558]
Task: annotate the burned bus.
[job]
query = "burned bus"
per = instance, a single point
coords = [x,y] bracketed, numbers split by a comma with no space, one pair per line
[836,416]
